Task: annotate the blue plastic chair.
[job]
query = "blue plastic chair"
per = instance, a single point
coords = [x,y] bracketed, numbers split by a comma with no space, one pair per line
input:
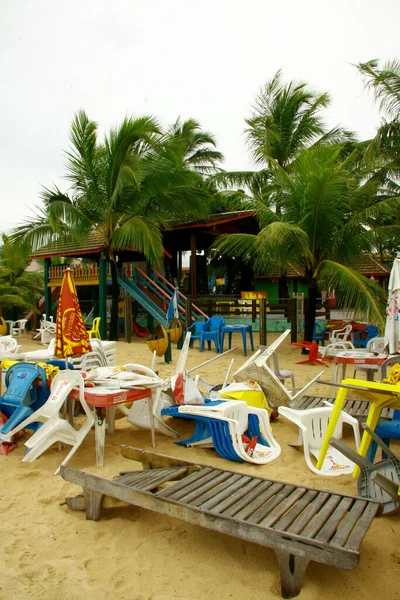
[386,430]
[195,331]
[318,334]
[211,332]
[371,332]
[21,397]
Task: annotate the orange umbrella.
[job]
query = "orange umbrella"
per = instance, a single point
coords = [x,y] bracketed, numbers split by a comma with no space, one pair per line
[71,336]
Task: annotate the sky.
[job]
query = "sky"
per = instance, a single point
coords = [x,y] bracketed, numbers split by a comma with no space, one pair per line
[171,58]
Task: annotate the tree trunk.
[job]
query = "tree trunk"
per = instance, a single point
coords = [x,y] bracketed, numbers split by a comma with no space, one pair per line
[114,304]
[309,315]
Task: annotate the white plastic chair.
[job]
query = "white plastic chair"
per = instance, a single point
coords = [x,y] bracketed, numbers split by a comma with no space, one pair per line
[9,345]
[332,349]
[312,424]
[19,327]
[376,345]
[54,428]
[340,335]
[281,374]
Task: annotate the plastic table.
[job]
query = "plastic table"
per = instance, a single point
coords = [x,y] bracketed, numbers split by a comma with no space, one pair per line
[243,329]
[380,395]
[313,358]
[355,357]
[101,398]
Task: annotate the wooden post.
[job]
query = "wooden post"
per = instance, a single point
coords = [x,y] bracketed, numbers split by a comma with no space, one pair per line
[103,297]
[254,310]
[47,288]
[128,319]
[168,354]
[263,322]
[293,320]
[188,308]
[193,265]
[179,268]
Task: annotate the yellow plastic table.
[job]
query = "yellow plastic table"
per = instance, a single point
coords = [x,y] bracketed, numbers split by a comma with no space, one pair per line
[380,395]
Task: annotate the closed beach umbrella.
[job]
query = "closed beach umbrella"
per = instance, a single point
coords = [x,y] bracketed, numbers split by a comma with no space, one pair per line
[392,329]
[71,336]
[173,312]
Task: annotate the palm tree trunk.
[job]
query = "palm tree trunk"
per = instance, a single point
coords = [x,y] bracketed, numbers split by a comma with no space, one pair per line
[309,313]
[114,304]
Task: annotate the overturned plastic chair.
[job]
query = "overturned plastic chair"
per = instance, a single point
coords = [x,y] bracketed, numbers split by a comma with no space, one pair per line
[312,424]
[21,397]
[54,428]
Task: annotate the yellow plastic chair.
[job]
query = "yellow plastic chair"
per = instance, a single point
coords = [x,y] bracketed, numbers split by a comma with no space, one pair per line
[95,331]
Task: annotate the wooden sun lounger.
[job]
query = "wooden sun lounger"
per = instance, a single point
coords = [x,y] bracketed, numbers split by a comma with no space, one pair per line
[300,524]
[356,408]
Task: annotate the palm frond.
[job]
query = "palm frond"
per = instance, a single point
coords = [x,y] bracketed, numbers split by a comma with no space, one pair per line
[353,290]
[140,234]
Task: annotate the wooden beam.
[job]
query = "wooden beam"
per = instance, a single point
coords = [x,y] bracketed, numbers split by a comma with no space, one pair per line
[47,288]
[103,296]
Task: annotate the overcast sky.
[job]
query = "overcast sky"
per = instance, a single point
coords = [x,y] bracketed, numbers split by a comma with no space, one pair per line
[169,58]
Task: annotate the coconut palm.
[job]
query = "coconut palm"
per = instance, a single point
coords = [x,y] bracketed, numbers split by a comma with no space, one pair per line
[327,206]
[384,82]
[285,119]
[20,288]
[125,188]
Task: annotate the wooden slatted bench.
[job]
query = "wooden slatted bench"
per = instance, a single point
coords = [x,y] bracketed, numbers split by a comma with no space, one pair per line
[300,524]
[356,408]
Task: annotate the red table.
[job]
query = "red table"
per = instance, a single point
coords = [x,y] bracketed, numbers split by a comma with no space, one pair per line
[355,357]
[106,398]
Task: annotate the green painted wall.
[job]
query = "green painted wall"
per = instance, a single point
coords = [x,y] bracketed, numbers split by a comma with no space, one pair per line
[269,286]
[272,288]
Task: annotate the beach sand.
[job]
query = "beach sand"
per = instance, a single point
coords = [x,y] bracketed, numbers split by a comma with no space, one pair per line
[50,552]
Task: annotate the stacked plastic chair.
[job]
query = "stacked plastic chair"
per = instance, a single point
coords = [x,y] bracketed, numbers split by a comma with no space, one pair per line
[103,354]
[224,424]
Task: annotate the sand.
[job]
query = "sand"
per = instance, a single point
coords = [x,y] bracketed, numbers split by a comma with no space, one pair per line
[49,551]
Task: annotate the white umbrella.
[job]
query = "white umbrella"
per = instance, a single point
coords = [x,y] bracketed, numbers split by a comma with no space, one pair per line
[392,329]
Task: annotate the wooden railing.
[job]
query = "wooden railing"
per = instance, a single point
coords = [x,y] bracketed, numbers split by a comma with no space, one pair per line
[234,306]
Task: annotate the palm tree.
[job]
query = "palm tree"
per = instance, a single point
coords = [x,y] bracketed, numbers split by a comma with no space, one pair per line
[286,119]
[20,289]
[327,206]
[384,82]
[125,188]
[383,152]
